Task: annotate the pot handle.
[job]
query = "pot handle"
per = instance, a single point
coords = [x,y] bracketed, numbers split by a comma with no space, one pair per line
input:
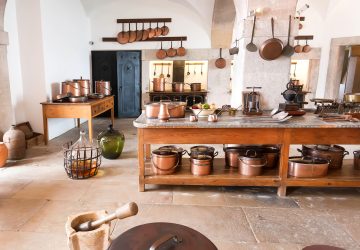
[247,153]
[216,153]
[187,152]
[260,165]
[300,151]
[157,167]
[166,238]
[184,152]
[346,153]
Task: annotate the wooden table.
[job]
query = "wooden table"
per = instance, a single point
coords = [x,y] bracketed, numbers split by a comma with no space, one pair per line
[241,130]
[86,110]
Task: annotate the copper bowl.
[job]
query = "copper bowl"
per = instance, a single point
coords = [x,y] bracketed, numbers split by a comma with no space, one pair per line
[201,165]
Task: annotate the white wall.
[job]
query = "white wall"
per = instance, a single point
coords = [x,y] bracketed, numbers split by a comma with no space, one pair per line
[328,19]
[14,64]
[186,21]
[53,38]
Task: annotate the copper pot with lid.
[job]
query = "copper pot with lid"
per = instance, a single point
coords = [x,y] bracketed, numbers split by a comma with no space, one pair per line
[85,88]
[251,164]
[178,86]
[72,88]
[202,150]
[103,87]
[158,84]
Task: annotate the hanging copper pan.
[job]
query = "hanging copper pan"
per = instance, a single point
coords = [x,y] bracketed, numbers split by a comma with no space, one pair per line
[272,48]
[171,52]
[138,33]
[123,36]
[161,54]
[151,31]
[145,33]
[220,62]
[165,30]
[158,31]
[181,51]
[132,35]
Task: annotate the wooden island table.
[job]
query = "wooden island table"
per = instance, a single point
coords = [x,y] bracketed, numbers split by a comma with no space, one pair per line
[308,129]
[86,110]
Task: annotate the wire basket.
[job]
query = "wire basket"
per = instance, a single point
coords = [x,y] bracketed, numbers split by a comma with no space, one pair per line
[81,162]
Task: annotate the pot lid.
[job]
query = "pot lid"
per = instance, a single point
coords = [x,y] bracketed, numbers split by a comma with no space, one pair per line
[202,148]
[179,238]
[324,147]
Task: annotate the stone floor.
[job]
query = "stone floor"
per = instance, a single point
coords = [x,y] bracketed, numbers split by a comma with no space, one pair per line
[36,197]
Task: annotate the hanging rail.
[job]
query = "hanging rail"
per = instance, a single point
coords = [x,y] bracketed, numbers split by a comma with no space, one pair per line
[154,39]
[144,20]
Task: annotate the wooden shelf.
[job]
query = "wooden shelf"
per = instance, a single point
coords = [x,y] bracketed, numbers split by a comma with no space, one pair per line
[144,20]
[307,37]
[154,39]
[220,175]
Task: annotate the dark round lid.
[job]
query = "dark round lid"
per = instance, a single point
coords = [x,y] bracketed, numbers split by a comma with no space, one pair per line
[173,236]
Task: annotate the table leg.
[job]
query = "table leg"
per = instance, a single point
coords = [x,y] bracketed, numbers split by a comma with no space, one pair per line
[90,127]
[141,161]
[281,192]
[45,124]
[147,151]
[78,122]
[284,158]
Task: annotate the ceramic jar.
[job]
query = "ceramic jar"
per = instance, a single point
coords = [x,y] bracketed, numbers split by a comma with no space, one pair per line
[14,140]
[111,143]
[3,154]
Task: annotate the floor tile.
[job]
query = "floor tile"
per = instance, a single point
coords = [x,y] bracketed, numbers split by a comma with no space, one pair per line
[198,195]
[14,213]
[350,220]
[297,226]
[228,245]
[9,187]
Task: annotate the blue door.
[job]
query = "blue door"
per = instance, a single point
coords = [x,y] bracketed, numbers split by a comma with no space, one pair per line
[129,85]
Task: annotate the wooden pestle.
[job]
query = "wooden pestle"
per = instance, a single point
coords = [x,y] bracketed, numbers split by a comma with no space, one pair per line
[125,211]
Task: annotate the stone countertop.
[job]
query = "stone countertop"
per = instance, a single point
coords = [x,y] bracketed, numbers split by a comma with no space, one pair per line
[309,120]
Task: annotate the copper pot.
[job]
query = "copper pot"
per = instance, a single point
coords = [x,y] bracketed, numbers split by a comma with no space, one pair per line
[178,86]
[334,154]
[251,164]
[180,151]
[357,160]
[201,165]
[272,155]
[231,156]
[175,109]
[202,150]
[196,86]
[85,88]
[158,84]
[308,167]
[103,87]
[71,87]
[164,162]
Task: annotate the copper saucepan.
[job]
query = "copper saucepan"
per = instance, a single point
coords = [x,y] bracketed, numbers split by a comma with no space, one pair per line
[220,62]
[151,31]
[123,36]
[145,33]
[132,35]
[165,30]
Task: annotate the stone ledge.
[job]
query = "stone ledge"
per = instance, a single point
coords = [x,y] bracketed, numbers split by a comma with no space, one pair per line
[4,38]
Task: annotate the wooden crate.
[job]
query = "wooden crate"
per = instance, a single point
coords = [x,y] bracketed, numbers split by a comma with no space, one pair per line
[36,139]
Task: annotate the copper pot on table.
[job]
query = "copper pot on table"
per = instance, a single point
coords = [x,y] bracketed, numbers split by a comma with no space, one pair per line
[85,88]
[178,86]
[175,109]
[158,84]
[195,86]
[103,87]
[72,88]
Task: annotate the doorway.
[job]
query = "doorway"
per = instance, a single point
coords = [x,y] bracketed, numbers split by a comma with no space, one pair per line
[123,70]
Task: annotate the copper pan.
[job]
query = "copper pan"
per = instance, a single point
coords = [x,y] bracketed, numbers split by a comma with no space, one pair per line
[298,48]
[161,54]
[151,32]
[132,35]
[171,52]
[306,48]
[165,30]
[138,33]
[308,167]
[220,62]
[272,48]
[145,33]
[158,31]
[181,51]
[123,36]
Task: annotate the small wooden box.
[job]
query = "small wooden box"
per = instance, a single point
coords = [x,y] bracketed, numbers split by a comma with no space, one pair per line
[36,139]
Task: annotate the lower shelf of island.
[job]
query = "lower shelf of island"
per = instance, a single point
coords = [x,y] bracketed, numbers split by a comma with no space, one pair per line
[220,176]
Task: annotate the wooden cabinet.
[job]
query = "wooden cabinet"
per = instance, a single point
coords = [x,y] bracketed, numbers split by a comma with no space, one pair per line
[235,132]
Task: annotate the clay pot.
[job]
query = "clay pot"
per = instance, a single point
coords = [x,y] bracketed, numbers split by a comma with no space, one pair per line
[14,140]
[3,154]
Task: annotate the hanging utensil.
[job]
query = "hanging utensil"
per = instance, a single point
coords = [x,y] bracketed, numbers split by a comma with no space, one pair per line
[165,30]
[161,54]
[251,46]
[123,36]
[298,47]
[234,50]
[220,62]
[272,48]
[188,73]
[151,31]
[138,33]
[306,48]
[194,69]
[132,35]
[171,52]
[155,70]
[288,49]
[158,31]
[201,70]
[145,33]
[168,74]
[181,51]
[162,71]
